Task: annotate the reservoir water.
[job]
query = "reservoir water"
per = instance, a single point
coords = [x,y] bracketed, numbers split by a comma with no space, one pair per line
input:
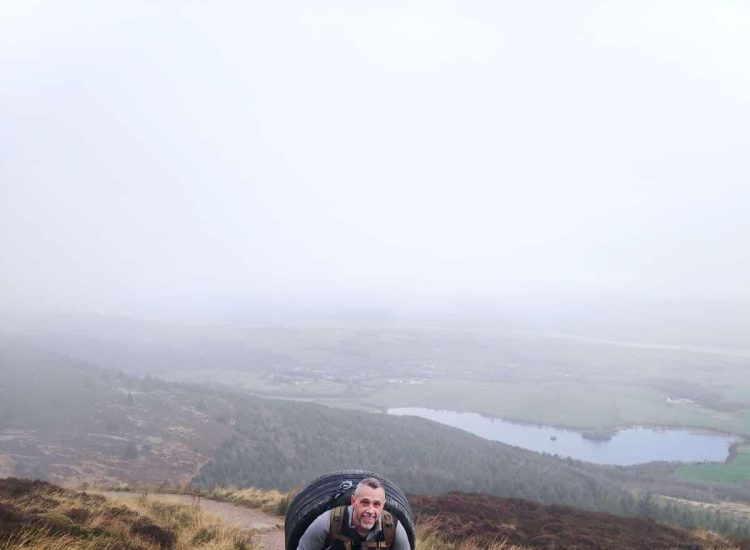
[626,447]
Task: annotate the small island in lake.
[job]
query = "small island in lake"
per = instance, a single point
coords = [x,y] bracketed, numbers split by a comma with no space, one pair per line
[598,435]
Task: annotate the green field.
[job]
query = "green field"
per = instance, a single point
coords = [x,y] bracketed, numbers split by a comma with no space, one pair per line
[595,405]
[736,471]
[573,382]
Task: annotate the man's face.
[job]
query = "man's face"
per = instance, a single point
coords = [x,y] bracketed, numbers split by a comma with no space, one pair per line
[366,508]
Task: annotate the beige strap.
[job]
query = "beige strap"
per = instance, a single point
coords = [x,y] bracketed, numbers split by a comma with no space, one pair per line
[335,521]
[389,528]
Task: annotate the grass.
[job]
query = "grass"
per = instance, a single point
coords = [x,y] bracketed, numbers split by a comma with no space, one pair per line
[563,403]
[271,501]
[192,526]
[546,403]
[39,516]
[61,519]
[710,540]
[549,527]
[737,470]
[429,537]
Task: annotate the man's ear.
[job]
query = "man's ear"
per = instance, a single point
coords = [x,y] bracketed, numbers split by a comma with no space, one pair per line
[351,499]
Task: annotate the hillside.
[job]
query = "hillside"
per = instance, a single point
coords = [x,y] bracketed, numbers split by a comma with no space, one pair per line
[282,444]
[485,520]
[69,422]
[72,423]
[36,514]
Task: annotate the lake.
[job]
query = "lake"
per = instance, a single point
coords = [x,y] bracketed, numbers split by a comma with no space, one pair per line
[628,446]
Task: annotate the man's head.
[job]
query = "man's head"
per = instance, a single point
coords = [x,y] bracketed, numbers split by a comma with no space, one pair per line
[367,504]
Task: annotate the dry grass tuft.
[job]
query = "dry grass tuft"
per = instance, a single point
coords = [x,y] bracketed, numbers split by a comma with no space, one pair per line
[710,540]
[193,527]
[429,537]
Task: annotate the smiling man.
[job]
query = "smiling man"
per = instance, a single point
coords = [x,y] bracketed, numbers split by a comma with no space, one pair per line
[362,524]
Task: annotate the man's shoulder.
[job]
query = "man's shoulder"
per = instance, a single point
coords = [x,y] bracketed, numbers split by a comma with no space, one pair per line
[323,520]
[401,541]
[315,535]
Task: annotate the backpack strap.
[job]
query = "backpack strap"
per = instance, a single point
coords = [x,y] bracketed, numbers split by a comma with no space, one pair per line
[335,521]
[389,528]
[388,523]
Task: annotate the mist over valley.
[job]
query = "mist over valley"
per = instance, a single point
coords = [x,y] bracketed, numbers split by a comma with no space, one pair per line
[499,249]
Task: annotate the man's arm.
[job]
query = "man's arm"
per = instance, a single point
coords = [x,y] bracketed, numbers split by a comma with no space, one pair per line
[314,537]
[401,541]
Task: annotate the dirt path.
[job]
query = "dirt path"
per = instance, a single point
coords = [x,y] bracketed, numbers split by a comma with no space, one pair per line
[268,530]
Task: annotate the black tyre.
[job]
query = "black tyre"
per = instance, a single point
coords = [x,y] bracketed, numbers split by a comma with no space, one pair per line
[334,489]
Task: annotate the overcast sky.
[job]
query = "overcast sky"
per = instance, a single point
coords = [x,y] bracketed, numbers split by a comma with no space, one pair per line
[205,152]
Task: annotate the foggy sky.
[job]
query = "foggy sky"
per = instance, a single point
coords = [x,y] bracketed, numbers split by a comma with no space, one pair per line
[193,152]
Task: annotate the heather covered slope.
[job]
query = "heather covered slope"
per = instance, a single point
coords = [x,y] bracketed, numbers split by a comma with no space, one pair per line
[486,520]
